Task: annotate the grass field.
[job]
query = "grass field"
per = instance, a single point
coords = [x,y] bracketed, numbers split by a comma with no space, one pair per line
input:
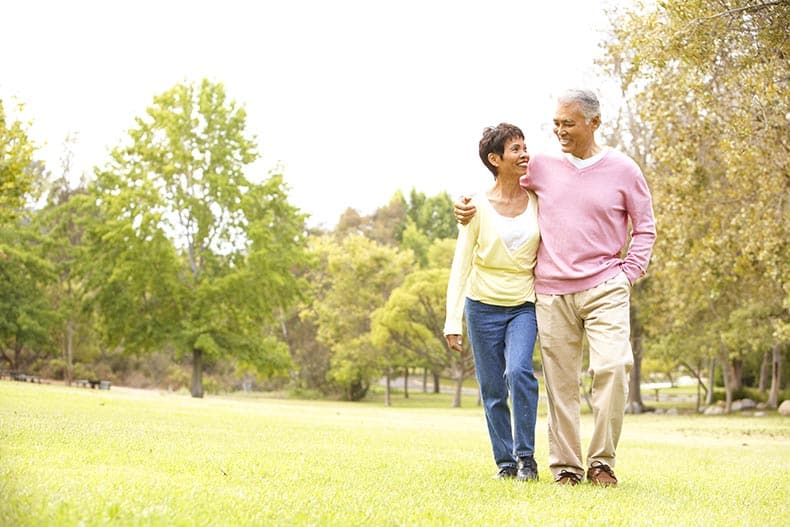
[71,456]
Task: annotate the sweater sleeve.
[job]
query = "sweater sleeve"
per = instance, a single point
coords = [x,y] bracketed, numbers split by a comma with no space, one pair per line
[459,275]
[643,233]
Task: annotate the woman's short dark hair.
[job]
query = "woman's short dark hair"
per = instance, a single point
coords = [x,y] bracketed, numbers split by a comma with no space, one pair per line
[494,140]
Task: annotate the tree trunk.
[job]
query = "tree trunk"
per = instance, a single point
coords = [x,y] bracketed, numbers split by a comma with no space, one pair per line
[16,363]
[197,373]
[459,386]
[387,383]
[635,405]
[737,374]
[425,380]
[406,382]
[69,352]
[765,371]
[699,387]
[436,388]
[697,372]
[711,380]
[776,370]
[728,376]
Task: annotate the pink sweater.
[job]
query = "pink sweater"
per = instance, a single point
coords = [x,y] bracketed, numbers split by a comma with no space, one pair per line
[583,216]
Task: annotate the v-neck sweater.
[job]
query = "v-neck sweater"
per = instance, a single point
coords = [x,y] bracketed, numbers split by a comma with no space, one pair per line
[484,269]
[583,217]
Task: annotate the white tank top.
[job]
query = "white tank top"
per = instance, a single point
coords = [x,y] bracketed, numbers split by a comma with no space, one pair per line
[514,231]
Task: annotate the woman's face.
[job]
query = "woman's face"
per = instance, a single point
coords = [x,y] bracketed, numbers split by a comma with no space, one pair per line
[514,159]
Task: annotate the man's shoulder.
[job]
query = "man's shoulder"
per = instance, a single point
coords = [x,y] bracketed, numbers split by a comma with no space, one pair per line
[544,163]
[617,156]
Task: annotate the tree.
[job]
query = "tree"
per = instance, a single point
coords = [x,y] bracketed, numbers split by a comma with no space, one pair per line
[360,276]
[190,251]
[386,224]
[417,241]
[432,215]
[428,219]
[413,320]
[61,224]
[709,81]
[26,317]
[17,170]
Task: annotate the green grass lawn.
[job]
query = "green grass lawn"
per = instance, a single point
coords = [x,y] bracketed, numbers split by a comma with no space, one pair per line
[72,456]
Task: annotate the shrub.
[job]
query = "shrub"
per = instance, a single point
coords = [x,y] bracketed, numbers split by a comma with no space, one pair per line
[83,371]
[750,393]
[210,385]
[50,369]
[176,378]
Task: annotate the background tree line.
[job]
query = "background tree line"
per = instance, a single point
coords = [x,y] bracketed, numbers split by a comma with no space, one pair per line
[174,265]
[173,256]
[705,92]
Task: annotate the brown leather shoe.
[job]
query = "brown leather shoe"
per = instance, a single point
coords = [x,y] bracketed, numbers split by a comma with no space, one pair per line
[566,477]
[601,474]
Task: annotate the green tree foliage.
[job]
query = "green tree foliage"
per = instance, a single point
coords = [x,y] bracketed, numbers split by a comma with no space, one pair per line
[417,240]
[428,219]
[384,226]
[26,316]
[432,215]
[710,83]
[17,174]
[61,224]
[412,321]
[314,346]
[359,277]
[188,250]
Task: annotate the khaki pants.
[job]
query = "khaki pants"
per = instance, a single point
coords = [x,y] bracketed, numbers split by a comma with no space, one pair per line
[602,314]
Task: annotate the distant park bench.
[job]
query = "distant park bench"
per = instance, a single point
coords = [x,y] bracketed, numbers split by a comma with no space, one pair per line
[19,376]
[93,383]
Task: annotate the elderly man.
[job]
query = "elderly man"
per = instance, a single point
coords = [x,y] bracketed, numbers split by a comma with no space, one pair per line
[586,197]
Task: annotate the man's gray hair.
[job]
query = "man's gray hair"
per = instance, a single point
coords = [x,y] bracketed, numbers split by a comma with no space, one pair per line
[587,99]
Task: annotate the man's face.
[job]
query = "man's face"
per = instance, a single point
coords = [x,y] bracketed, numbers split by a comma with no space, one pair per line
[575,135]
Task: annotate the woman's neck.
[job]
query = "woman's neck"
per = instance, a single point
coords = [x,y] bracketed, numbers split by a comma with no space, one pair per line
[506,188]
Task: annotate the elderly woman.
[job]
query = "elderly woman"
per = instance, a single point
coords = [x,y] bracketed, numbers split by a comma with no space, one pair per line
[491,282]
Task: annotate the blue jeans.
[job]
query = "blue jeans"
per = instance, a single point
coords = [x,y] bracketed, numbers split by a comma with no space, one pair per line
[503,340]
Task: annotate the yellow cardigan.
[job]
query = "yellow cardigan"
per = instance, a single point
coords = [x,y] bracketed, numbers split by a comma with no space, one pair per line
[485,270]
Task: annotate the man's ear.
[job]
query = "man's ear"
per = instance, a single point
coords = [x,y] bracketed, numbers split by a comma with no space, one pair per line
[595,122]
[494,159]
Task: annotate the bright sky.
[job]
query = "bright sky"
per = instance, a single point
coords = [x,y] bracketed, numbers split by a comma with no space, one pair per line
[355,99]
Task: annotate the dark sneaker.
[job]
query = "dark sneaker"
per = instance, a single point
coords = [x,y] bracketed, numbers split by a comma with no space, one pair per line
[506,473]
[527,469]
[566,477]
[601,474]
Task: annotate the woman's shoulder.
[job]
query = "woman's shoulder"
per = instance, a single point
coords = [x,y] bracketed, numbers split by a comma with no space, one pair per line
[483,207]
[480,199]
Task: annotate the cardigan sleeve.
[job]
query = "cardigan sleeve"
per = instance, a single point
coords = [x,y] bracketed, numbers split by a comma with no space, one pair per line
[459,275]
